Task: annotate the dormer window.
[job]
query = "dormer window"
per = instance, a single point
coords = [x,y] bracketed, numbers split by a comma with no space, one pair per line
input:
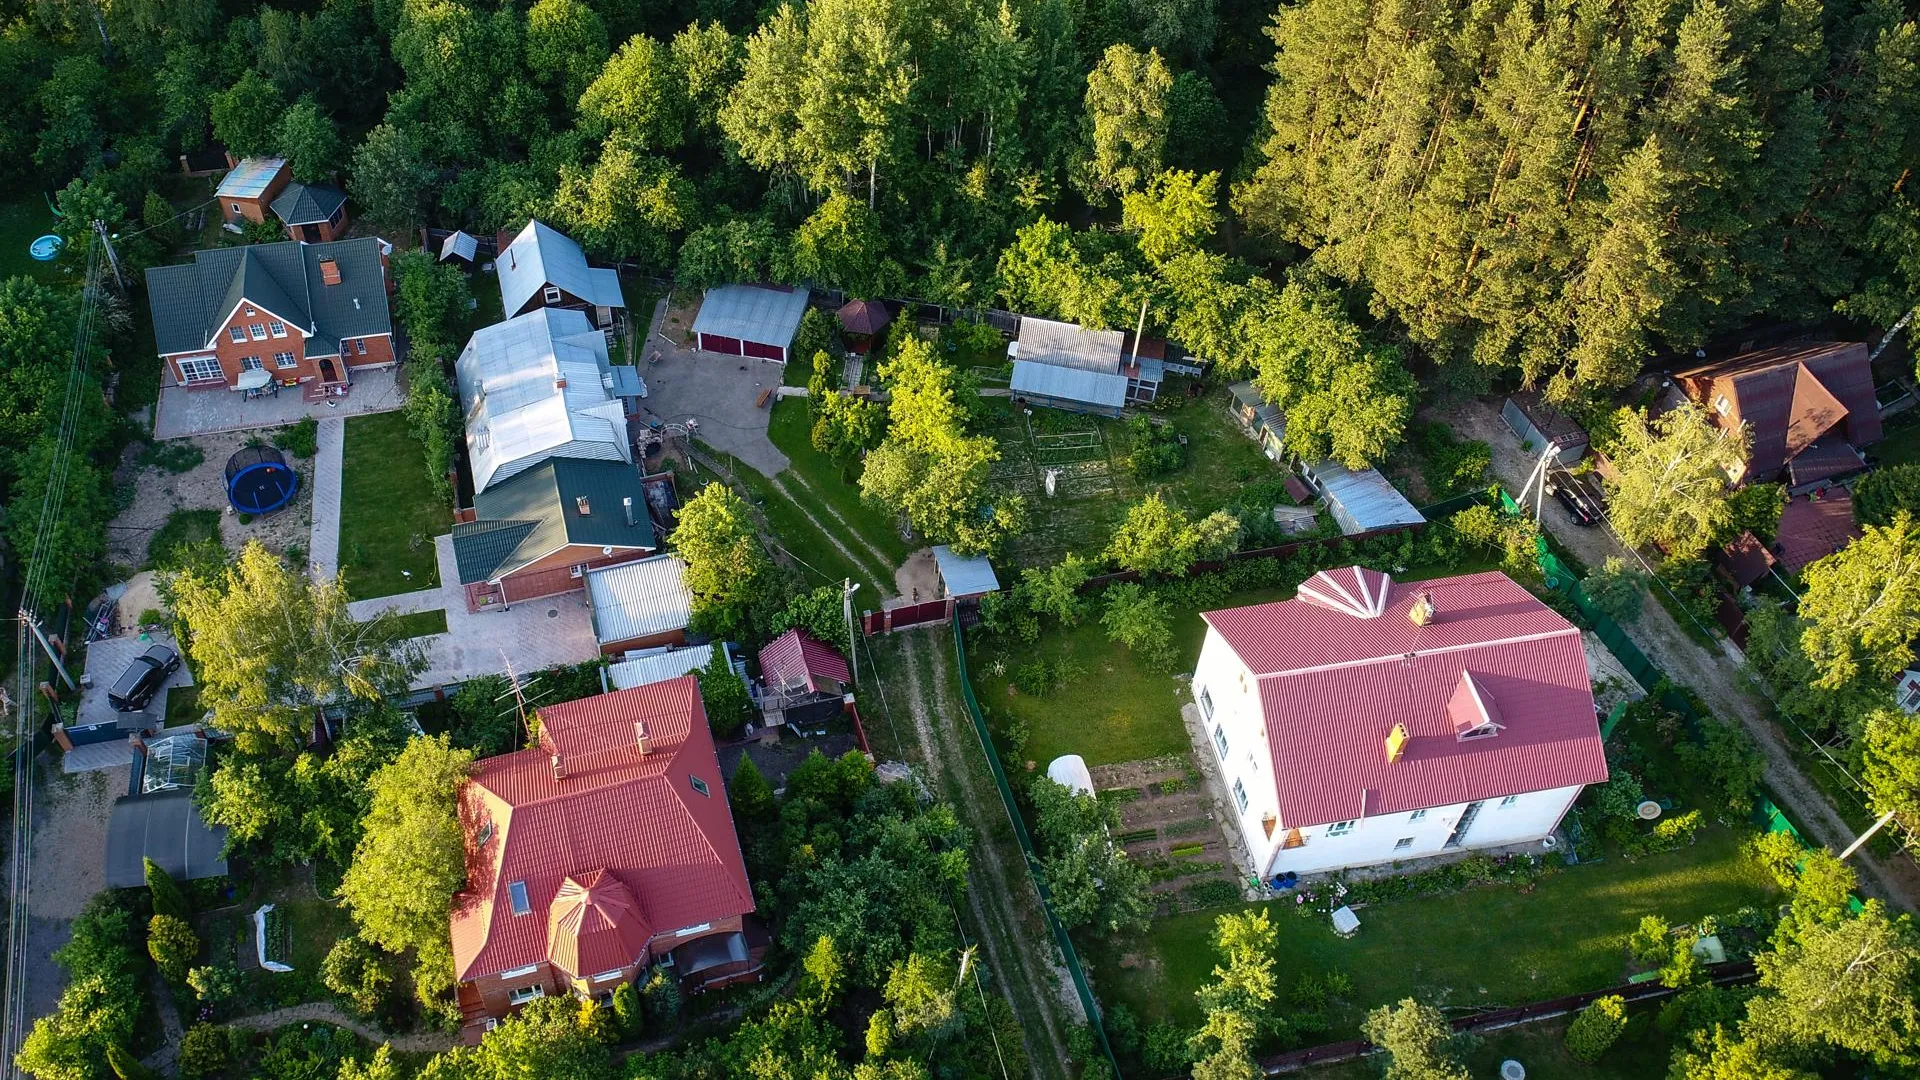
[517,897]
[1474,712]
[551,294]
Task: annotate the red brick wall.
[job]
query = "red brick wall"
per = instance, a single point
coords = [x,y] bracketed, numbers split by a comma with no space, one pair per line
[379,351]
[553,574]
[650,641]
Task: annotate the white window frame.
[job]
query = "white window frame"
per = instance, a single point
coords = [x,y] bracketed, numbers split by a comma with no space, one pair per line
[551,294]
[1342,828]
[526,994]
[607,976]
[696,928]
[1240,795]
[236,207]
[1417,815]
[1509,801]
[520,972]
[277,328]
[517,899]
[1220,740]
[285,361]
[1206,703]
[238,334]
[251,313]
[187,365]
[258,331]
[251,363]
[1913,696]
[360,346]
[1722,406]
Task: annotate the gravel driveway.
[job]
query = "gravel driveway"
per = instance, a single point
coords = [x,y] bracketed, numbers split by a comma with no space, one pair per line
[1713,674]
[70,818]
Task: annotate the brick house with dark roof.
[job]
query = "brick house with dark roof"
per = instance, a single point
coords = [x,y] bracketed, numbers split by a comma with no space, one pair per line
[1808,408]
[253,187]
[538,532]
[298,312]
[606,850]
[1369,721]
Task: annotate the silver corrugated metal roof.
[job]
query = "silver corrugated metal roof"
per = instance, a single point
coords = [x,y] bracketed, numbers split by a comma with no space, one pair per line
[541,256]
[250,178]
[965,575]
[638,599]
[1363,500]
[535,387]
[659,666]
[461,244]
[1071,384]
[1060,344]
[752,313]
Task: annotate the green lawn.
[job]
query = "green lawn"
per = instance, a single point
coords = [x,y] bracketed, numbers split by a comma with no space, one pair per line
[423,623]
[791,430]
[1492,946]
[183,706]
[389,513]
[1642,1052]
[1901,446]
[819,561]
[21,222]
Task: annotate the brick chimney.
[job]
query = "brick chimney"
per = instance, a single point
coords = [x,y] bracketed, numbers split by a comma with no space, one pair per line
[559,767]
[329,272]
[581,503]
[640,736]
[1422,611]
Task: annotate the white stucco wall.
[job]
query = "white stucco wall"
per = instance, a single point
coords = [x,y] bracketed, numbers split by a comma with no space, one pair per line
[1221,680]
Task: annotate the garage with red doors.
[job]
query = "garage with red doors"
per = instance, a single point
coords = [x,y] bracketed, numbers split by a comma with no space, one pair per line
[750,320]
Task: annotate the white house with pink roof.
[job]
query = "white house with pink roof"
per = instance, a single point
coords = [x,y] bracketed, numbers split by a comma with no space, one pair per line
[1368,720]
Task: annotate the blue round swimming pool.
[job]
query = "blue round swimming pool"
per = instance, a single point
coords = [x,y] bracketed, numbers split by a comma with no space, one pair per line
[45,248]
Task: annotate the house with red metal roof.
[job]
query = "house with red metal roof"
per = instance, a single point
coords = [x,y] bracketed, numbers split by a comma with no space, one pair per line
[1368,720]
[606,850]
[802,680]
[1807,408]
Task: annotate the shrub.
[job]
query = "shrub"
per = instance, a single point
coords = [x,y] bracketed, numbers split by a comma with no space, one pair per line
[1885,492]
[627,1015]
[1141,621]
[204,1052]
[1619,798]
[1166,1049]
[214,983]
[1596,1028]
[1449,465]
[173,945]
[175,457]
[661,998]
[433,415]
[127,1067]
[356,971]
[152,617]
[1727,761]
[1652,942]
[302,439]
[167,897]
[1616,588]
[1034,679]
[1156,448]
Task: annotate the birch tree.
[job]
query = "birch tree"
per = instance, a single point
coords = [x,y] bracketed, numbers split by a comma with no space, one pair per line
[1861,608]
[1671,488]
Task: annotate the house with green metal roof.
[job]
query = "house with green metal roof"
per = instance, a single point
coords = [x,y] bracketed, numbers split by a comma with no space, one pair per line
[292,313]
[538,532]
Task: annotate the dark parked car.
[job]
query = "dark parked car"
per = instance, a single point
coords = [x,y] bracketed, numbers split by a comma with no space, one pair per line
[1575,498]
[142,678]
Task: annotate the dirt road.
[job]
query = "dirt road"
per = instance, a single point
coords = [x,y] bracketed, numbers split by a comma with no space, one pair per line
[916,669]
[1713,674]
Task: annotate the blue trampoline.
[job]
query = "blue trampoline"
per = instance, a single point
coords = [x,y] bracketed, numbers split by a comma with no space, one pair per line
[259,480]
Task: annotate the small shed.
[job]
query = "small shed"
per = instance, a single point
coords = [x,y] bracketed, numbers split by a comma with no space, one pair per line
[864,317]
[797,661]
[1743,560]
[164,826]
[964,577]
[750,320]
[641,604]
[1070,388]
[460,245]
[1536,423]
[1360,501]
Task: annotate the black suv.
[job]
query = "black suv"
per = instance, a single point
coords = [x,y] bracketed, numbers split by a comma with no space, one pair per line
[142,678]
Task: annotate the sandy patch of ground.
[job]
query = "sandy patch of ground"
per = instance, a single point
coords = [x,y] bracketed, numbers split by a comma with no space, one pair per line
[158,493]
[918,578]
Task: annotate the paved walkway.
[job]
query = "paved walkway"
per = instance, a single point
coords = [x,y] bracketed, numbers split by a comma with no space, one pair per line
[718,390]
[531,635]
[323,549]
[181,412]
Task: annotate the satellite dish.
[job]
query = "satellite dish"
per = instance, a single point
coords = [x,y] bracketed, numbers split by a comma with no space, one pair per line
[1647,810]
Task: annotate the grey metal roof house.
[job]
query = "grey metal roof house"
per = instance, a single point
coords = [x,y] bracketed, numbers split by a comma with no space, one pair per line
[192,301]
[750,320]
[1360,501]
[1536,423]
[964,576]
[640,601]
[539,386]
[658,665]
[542,267]
[598,506]
[1065,366]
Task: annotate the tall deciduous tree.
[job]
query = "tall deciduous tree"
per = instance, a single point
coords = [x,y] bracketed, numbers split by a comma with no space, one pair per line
[1861,608]
[1344,397]
[1160,539]
[1670,486]
[1852,984]
[412,859]
[390,176]
[306,137]
[566,44]
[1127,116]
[1417,1040]
[726,566]
[270,646]
[639,97]
[1091,879]
[1173,215]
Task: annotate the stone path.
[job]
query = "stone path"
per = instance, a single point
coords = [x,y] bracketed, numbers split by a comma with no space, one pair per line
[325,1012]
[162,1060]
[324,547]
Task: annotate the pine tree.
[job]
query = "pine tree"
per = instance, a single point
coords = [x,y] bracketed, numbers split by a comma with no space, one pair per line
[167,897]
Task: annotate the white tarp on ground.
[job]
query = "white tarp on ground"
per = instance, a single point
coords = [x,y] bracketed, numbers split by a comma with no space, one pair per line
[536,387]
[1070,771]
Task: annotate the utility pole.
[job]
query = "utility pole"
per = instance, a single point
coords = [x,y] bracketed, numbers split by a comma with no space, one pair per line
[113,257]
[847,589]
[39,635]
[1868,835]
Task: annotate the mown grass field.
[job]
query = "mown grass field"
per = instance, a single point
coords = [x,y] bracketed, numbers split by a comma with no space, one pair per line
[1492,946]
[389,513]
[1641,1054]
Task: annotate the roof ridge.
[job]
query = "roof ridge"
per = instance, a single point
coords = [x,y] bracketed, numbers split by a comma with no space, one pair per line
[1439,650]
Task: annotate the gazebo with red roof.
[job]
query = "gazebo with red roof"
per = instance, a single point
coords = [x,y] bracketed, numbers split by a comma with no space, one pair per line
[1368,720]
[598,853]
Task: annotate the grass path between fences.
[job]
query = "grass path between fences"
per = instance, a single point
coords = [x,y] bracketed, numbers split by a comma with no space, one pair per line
[925,724]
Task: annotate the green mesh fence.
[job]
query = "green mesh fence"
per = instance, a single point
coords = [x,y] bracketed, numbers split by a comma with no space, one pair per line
[1060,938]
